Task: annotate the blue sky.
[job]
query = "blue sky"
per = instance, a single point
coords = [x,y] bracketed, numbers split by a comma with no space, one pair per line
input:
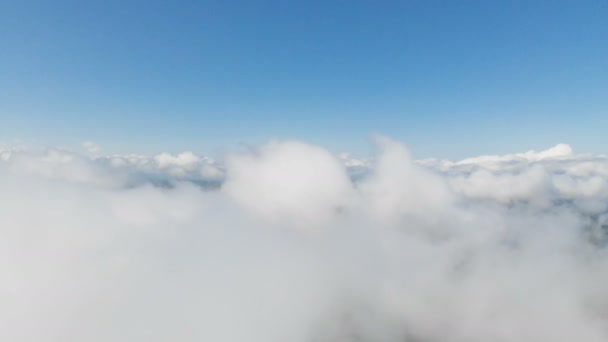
[450,78]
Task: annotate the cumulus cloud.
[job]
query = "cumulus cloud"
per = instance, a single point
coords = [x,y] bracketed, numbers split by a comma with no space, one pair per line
[91,147]
[288,180]
[288,242]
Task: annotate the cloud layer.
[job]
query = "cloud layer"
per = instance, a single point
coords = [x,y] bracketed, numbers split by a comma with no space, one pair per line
[288,242]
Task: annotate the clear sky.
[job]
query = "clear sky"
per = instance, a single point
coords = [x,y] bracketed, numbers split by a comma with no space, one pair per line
[450,78]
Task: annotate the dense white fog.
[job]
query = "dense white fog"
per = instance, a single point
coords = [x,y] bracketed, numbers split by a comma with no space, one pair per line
[289,242]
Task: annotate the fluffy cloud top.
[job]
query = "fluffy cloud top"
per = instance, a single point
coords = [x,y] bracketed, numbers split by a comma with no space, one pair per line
[288,242]
[91,147]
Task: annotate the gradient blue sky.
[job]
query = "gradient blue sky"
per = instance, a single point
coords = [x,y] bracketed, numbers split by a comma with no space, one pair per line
[450,78]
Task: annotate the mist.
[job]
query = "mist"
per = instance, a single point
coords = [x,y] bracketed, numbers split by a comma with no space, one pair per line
[289,242]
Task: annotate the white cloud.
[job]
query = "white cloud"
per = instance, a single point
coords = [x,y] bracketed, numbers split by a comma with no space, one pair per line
[91,147]
[289,180]
[292,247]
